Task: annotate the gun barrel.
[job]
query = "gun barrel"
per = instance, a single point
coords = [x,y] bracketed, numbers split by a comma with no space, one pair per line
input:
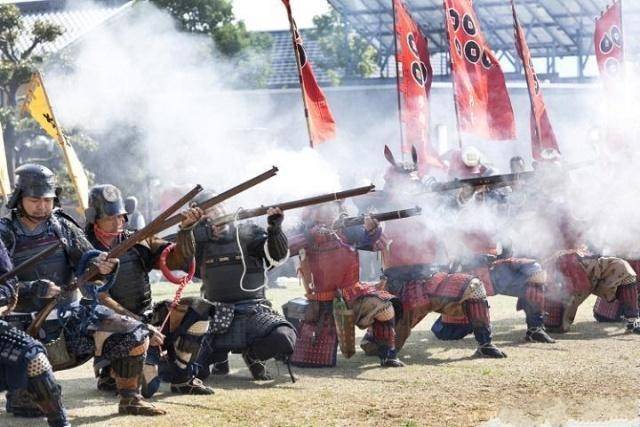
[316,200]
[499,180]
[383,216]
[219,198]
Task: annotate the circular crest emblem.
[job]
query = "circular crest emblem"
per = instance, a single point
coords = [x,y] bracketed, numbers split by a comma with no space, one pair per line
[486,60]
[413,47]
[419,72]
[606,45]
[472,51]
[469,26]
[110,193]
[616,35]
[455,19]
[612,65]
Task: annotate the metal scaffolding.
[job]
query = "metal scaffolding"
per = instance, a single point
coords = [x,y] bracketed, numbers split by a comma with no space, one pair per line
[555,29]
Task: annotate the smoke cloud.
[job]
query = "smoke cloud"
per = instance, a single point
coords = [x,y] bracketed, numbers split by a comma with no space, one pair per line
[139,71]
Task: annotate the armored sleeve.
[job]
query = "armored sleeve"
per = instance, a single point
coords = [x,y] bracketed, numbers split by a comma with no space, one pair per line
[277,243]
[77,242]
[8,288]
[179,257]
[201,238]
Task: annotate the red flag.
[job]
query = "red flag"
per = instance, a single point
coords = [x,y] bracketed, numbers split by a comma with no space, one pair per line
[609,43]
[481,97]
[414,85]
[322,125]
[543,138]
[609,47]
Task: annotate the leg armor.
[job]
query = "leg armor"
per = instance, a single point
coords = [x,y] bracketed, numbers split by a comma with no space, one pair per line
[556,320]
[533,305]
[628,297]
[384,334]
[477,311]
[210,361]
[46,392]
[185,351]
[279,344]
[127,371]
[317,342]
[604,311]
[21,359]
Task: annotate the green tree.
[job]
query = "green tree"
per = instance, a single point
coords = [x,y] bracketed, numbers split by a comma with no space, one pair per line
[346,55]
[248,52]
[16,68]
[24,140]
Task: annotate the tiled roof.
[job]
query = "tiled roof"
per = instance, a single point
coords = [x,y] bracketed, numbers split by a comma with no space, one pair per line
[283,60]
[75,21]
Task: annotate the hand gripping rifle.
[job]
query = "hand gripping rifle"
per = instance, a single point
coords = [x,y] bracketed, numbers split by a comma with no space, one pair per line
[316,200]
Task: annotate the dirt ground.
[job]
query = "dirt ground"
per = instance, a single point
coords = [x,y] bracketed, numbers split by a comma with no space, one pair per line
[589,378]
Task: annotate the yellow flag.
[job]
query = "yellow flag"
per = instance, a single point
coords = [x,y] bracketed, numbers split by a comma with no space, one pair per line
[5,187]
[37,104]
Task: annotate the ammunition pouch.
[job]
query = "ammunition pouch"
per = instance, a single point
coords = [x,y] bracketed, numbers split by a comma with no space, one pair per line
[59,355]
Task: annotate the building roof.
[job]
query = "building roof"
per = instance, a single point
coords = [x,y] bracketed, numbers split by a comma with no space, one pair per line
[76,21]
[283,60]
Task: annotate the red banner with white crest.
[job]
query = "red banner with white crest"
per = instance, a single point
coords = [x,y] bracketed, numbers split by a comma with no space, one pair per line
[482,101]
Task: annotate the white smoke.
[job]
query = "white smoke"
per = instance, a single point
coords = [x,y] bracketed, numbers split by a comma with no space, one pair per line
[140,70]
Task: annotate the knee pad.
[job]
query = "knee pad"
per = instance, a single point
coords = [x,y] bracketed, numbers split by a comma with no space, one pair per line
[475,290]
[280,342]
[188,344]
[386,314]
[191,340]
[128,367]
[38,365]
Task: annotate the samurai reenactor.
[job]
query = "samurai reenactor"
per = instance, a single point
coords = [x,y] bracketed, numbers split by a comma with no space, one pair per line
[232,261]
[106,221]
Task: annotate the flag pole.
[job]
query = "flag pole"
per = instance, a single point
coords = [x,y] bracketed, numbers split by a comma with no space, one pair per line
[293,30]
[453,80]
[396,58]
[622,34]
[536,122]
[63,143]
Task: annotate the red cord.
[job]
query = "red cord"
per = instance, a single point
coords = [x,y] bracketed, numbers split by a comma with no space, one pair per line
[181,282]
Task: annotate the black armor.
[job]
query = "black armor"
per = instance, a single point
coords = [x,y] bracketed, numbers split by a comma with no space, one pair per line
[58,267]
[132,289]
[236,275]
[221,266]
